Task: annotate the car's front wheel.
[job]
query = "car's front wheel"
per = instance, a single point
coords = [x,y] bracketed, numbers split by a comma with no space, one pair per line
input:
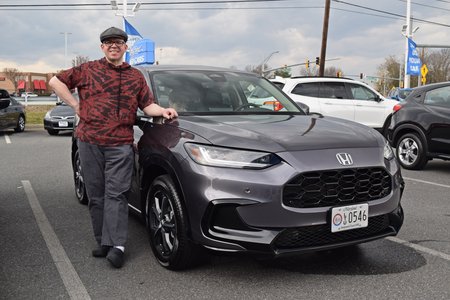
[80,188]
[411,152]
[168,225]
[20,124]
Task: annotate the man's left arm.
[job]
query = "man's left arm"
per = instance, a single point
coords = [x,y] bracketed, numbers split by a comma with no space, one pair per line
[154,110]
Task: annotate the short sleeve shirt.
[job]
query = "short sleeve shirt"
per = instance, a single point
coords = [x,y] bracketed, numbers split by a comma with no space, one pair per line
[109,98]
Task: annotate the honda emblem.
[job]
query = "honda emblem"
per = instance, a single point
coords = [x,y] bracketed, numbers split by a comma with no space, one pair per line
[344,159]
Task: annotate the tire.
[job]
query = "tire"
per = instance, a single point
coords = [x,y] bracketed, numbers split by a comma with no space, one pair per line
[20,124]
[80,188]
[167,226]
[52,131]
[411,152]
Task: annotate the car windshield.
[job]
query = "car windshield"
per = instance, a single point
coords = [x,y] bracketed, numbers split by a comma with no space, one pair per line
[218,92]
[404,93]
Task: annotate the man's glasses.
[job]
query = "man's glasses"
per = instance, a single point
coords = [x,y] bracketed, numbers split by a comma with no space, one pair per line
[117,43]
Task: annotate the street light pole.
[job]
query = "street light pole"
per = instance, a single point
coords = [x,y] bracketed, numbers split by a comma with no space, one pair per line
[65,47]
[266,60]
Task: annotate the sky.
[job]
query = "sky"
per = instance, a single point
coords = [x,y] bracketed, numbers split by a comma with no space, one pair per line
[361,34]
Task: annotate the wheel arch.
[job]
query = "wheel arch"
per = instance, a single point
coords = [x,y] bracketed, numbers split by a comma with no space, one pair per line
[410,128]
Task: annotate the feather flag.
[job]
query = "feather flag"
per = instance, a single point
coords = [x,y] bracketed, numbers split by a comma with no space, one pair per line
[133,36]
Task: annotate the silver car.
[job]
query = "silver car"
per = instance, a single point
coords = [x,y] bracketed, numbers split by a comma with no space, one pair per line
[233,175]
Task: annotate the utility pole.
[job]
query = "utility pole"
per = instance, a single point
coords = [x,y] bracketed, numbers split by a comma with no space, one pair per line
[407,78]
[65,48]
[323,49]
[125,13]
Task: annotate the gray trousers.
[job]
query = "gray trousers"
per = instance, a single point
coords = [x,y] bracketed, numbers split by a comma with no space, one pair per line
[108,173]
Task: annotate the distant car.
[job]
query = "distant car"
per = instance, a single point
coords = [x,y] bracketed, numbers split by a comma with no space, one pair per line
[12,113]
[59,118]
[342,98]
[399,94]
[420,126]
[28,94]
[233,175]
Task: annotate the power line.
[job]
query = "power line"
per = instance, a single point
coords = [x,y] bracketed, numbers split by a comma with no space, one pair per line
[426,5]
[389,13]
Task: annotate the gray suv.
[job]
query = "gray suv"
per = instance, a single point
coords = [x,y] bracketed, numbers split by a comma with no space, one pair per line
[236,173]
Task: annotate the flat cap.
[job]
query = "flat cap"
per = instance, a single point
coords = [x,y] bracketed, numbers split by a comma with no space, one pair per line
[113,32]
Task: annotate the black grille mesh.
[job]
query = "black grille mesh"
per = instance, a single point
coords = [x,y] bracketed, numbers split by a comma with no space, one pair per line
[318,235]
[337,187]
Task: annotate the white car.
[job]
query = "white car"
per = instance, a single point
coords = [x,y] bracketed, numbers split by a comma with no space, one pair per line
[28,94]
[340,97]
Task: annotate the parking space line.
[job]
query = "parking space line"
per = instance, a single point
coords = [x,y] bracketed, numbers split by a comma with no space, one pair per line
[428,182]
[7,139]
[420,248]
[69,276]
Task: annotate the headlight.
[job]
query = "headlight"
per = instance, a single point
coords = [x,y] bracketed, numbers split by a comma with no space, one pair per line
[47,115]
[388,153]
[230,158]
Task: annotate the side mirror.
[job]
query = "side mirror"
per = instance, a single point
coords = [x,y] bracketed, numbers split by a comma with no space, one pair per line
[4,103]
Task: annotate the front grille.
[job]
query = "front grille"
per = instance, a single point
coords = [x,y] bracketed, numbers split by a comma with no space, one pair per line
[63,118]
[320,235]
[337,187]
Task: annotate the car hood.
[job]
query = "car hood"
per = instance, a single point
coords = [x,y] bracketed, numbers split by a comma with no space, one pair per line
[278,133]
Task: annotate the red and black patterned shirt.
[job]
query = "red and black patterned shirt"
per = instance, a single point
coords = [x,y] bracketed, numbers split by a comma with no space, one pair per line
[109,98]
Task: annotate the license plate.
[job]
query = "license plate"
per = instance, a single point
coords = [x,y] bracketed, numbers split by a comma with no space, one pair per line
[349,217]
[63,124]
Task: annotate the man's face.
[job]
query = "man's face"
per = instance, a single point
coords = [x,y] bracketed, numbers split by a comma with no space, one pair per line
[114,49]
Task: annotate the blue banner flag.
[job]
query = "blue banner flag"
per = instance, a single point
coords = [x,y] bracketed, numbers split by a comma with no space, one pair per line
[413,62]
[133,36]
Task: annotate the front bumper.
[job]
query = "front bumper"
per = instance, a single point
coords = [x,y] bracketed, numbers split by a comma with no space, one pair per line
[58,124]
[243,210]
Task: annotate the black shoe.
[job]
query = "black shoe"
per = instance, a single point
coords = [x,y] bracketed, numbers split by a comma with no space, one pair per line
[115,257]
[101,251]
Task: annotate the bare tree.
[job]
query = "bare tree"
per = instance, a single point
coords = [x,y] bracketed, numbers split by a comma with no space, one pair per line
[13,74]
[79,59]
[313,70]
[438,64]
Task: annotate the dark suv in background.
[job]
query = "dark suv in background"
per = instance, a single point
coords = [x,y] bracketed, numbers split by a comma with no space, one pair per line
[420,126]
[239,173]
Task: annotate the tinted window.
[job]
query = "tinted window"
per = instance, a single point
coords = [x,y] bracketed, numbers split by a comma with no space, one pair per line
[440,96]
[4,94]
[310,89]
[280,85]
[335,90]
[361,93]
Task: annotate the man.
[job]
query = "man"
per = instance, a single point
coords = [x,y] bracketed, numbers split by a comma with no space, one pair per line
[110,92]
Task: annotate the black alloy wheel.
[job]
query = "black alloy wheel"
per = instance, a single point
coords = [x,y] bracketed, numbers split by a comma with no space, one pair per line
[80,188]
[411,152]
[20,124]
[167,226]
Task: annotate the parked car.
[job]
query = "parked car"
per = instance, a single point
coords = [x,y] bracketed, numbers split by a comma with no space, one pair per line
[420,126]
[12,113]
[59,118]
[28,94]
[399,94]
[341,97]
[231,175]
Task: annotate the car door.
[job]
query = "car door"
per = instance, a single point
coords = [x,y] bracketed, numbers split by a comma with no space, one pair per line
[370,108]
[335,101]
[437,105]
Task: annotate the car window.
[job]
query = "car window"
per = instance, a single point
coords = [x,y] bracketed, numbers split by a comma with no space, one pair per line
[280,85]
[439,96]
[361,92]
[4,94]
[335,90]
[309,89]
[209,91]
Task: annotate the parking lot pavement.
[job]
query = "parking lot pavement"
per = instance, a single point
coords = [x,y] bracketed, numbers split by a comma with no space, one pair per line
[51,259]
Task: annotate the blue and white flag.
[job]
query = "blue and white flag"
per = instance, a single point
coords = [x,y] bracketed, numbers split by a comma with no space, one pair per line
[133,36]
[413,62]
